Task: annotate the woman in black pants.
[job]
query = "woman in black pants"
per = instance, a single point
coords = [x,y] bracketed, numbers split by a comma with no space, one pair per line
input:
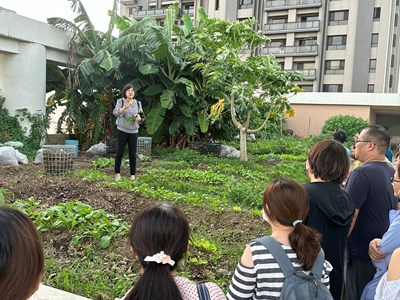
[127,110]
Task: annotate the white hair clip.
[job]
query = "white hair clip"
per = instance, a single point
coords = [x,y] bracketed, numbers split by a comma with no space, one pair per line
[160,258]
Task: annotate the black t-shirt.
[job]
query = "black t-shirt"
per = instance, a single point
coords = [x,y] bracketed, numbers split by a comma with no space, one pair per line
[371,190]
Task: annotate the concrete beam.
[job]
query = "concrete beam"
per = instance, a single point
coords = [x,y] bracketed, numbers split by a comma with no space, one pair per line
[20,28]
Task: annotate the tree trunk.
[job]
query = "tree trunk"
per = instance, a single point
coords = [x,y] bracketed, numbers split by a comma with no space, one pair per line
[243,144]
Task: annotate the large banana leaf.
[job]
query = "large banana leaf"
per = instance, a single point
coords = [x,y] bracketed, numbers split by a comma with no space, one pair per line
[106,60]
[148,69]
[167,99]
[189,85]
[189,126]
[186,110]
[153,90]
[204,122]
[155,118]
[175,125]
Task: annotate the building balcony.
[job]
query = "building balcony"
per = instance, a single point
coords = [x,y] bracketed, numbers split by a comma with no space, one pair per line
[287,4]
[292,27]
[157,13]
[129,2]
[311,50]
[189,11]
[246,6]
[162,12]
[308,74]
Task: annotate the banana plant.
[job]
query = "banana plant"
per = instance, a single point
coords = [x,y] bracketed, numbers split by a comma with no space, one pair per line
[93,72]
[168,84]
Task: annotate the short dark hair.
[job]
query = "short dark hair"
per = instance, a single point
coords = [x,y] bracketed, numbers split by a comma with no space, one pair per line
[158,227]
[287,201]
[329,161]
[21,255]
[340,136]
[380,136]
[126,87]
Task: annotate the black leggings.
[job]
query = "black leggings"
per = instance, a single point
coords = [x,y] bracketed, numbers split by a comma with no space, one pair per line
[124,138]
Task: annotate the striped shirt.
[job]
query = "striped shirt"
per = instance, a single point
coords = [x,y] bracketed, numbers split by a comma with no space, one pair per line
[265,279]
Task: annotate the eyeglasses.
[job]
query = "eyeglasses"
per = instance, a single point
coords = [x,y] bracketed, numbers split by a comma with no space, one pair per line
[358,141]
[394,180]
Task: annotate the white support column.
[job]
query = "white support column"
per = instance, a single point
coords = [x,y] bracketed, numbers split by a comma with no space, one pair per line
[23,79]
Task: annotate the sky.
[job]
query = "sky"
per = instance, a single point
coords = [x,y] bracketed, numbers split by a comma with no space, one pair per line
[43,9]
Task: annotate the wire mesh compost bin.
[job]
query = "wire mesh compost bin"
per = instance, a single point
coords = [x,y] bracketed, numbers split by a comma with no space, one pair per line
[144,145]
[58,159]
[213,148]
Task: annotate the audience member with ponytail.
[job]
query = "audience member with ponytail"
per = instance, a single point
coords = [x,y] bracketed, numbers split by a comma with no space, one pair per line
[256,276]
[159,238]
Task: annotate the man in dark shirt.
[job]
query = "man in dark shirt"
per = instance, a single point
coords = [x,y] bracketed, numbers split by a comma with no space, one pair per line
[369,186]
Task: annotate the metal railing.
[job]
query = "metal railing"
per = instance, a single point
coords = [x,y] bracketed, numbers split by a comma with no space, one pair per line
[310,50]
[293,26]
[279,4]
[308,74]
[150,12]
[156,12]
[129,1]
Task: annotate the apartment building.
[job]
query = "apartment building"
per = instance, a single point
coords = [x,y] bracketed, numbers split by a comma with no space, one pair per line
[349,46]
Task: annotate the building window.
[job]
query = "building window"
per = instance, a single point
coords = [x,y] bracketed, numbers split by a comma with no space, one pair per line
[335,67]
[277,43]
[372,65]
[309,18]
[391,81]
[333,88]
[307,42]
[245,3]
[397,2]
[300,66]
[392,61]
[374,40]
[216,4]
[396,19]
[279,20]
[370,88]
[306,88]
[337,42]
[339,17]
[377,14]
[394,40]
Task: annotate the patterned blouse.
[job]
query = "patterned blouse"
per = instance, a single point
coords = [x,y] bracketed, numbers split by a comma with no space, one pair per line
[188,290]
[265,279]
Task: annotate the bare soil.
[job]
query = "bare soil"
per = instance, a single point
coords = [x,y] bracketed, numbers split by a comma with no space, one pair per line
[227,227]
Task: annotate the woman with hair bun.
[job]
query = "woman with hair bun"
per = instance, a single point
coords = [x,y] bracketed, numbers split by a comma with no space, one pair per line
[331,209]
[159,238]
[285,207]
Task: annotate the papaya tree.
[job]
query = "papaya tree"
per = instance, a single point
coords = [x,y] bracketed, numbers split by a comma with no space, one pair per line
[248,82]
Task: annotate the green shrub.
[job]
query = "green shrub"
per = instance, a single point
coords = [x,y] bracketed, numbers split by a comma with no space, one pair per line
[350,124]
[10,129]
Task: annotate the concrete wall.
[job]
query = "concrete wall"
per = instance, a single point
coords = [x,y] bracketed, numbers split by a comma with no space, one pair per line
[309,118]
[313,109]
[26,45]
